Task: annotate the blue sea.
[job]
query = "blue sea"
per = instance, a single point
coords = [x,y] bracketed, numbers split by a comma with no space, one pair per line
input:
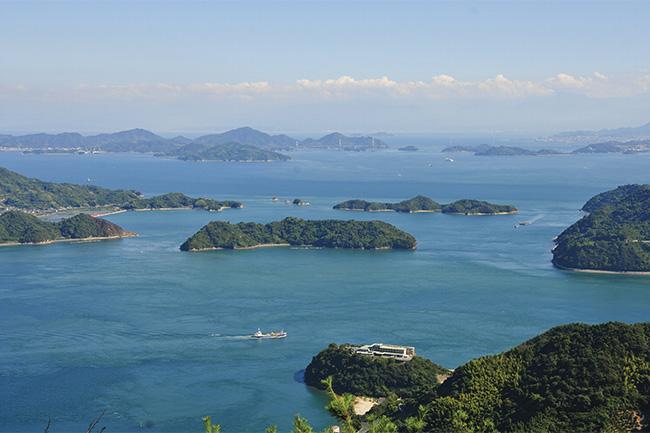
[159,338]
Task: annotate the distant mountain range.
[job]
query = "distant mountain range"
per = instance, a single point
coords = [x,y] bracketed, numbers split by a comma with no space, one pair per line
[618,134]
[143,141]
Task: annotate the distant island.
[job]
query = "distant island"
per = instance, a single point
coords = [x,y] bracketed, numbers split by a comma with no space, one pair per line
[614,237]
[409,148]
[627,134]
[487,150]
[20,228]
[18,192]
[627,147]
[424,204]
[240,145]
[232,152]
[571,378]
[295,231]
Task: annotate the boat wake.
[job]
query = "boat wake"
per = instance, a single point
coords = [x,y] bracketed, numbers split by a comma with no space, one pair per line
[231,337]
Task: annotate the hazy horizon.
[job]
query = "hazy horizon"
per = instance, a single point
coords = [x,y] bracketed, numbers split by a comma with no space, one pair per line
[533,68]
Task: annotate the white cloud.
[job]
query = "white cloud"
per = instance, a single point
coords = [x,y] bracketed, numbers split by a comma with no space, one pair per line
[345,88]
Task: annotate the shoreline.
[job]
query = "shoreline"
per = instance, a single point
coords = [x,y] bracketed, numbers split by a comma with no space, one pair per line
[432,211]
[53,241]
[481,214]
[598,271]
[306,246]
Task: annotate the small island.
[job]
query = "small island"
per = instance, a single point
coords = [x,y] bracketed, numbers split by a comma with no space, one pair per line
[614,237]
[409,148]
[425,204]
[20,228]
[350,234]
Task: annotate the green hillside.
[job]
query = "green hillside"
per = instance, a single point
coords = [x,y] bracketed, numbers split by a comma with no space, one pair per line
[295,231]
[614,237]
[19,227]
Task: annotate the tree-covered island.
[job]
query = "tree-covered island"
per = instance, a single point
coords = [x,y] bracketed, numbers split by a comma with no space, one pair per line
[295,231]
[577,378]
[425,204]
[231,152]
[614,237]
[18,192]
[20,228]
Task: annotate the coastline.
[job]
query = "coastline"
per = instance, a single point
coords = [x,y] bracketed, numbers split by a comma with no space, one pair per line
[433,211]
[243,248]
[289,245]
[481,214]
[53,241]
[598,271]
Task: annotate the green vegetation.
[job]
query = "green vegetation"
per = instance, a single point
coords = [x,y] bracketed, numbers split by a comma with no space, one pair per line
[234,152]
[370,376]
[418,203]
[476,207]
[577,377]
[610,198]
[613,237]
[295,231]
[18,192]
[178,200]
[572,378]
[632,146]
[487,150]
[421,203]
[19,227]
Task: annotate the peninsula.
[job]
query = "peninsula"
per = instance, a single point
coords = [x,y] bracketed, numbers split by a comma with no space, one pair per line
[425,204]
[295,231]
[18,192]
[614,237]
[21,228]
[576,377]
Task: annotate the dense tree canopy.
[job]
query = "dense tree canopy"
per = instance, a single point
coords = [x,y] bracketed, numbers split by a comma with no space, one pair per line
[296,231]
[19,227]
[577,377]
[18,192]
[615,236]
[370,376]
[225,152]
[572,378]
[421,203]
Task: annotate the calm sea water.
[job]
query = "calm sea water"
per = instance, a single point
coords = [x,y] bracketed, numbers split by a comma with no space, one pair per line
[158,338]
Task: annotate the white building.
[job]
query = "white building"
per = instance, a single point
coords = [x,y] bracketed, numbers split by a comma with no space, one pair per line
[400,353]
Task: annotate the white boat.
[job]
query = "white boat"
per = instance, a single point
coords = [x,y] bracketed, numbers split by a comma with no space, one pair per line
[270,335]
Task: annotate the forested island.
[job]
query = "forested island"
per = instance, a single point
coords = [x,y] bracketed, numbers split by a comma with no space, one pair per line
[425,204]
[295,231]
[577,377]
[232,152]
[20,228]
[487,150]
[614,237]
[18,192]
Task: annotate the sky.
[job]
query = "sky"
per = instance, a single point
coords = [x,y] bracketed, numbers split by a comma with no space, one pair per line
[319,66]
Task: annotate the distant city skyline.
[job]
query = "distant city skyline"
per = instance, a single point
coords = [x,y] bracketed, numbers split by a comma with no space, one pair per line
[310,66]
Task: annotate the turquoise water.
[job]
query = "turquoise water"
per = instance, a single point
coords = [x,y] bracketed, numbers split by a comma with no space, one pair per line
[158,338]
